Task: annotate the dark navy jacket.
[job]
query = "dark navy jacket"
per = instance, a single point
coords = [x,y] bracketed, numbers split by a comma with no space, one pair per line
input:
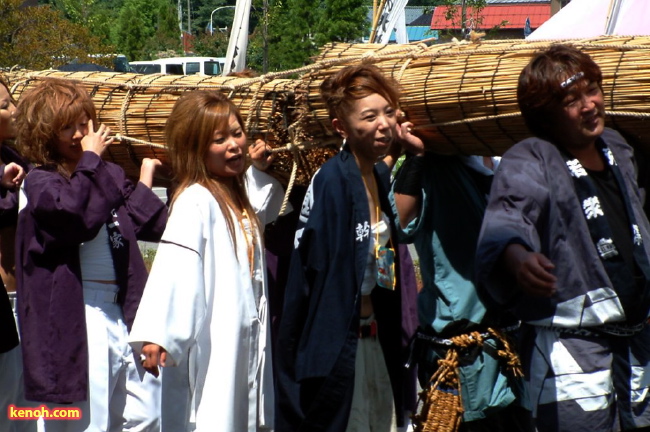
[60,214]
[319,328]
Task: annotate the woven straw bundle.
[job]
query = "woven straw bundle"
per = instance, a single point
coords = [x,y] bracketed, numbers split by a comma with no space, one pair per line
[136,108]
[440,405]
[460,96]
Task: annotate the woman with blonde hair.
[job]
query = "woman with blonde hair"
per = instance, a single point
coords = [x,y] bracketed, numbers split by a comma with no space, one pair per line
[79,270]
[205,305]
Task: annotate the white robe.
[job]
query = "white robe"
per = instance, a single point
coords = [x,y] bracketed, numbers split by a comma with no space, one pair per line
[200,305]
[266,195]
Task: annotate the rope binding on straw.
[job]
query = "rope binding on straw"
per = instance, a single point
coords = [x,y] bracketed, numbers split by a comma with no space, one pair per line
[441,403]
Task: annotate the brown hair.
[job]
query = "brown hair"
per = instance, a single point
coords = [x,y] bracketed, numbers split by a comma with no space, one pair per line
[189,132]
[352,83]
[43,111]
[548,78]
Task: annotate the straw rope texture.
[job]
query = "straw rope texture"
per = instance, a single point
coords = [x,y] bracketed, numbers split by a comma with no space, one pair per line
[136,108]
[460,96]
[440,404]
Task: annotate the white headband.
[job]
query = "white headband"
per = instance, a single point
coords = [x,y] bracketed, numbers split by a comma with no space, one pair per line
[571,80]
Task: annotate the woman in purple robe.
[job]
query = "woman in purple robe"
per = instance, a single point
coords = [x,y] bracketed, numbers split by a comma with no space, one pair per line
[80,273]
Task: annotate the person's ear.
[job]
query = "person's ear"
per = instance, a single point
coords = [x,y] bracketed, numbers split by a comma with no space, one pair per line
[338,127]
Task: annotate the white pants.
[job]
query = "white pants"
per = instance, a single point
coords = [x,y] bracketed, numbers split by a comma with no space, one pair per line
[12,390]
[122,397]
[373,408]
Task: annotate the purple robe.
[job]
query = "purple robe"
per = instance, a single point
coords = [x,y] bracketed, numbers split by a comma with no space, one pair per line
[60,214]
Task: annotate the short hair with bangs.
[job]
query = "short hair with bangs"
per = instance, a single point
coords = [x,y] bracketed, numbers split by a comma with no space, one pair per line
[44,111]
[352,83]
[546,81]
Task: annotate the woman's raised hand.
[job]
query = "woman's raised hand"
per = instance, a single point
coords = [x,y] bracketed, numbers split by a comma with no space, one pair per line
[147,170]
[96,141]
[261,156]
[12,176]
[410,142]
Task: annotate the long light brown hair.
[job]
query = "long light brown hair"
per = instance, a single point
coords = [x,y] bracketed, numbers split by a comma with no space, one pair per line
[189,131]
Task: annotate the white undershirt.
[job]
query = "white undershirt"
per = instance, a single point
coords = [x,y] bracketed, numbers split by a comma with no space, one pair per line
[96,258]
[257,276]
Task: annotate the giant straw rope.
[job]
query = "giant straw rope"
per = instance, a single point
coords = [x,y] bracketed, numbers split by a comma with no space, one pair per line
[461,96]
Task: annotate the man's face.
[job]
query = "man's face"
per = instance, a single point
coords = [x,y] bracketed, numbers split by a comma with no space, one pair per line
[579,119]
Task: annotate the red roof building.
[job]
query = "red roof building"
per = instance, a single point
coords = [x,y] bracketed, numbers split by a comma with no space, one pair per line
[505,16]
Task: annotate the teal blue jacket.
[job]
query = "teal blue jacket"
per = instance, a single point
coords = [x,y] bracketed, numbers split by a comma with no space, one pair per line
[445,234]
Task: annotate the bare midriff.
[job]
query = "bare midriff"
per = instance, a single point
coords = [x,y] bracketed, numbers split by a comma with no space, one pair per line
[107,282]
[366,306]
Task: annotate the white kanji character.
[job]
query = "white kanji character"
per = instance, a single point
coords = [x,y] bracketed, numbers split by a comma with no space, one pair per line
[638,239]
[116,240]
[576,168]
[363,231]
[606,248]
[591,207]
[610,156]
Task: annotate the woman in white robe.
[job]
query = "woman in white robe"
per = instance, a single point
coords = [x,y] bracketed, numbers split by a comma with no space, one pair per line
[204,308]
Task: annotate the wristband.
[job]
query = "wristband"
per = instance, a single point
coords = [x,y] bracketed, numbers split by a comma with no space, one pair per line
[409,178]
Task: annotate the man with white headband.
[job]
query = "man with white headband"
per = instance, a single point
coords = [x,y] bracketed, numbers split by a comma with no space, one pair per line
[565,247]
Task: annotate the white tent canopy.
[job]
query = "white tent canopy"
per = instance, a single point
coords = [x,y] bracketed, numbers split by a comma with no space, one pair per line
[582,19]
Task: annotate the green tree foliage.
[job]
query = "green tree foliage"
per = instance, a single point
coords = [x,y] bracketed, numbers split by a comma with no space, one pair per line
[202,11]
[167,32]
[104,21]
[145,27]
[340,21]
[211,45]
[142,29]
[79,11]
[40,37]
[138,28]
[297,28]
[133,29]
[291,28]
[95,15]
[431,3]
[255,53]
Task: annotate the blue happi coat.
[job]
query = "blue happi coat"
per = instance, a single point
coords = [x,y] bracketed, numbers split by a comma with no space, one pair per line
[578,378]
[318,333]
[533,202]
